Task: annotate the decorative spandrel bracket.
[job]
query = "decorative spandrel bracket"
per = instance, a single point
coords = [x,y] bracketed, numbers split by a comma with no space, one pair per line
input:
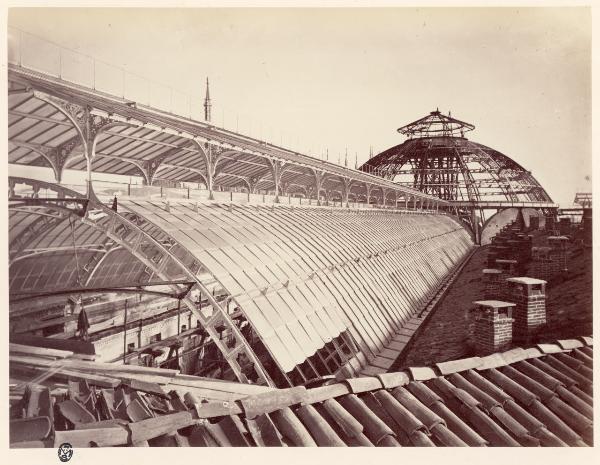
[87,126]
[277,169]
[368,190]
[211,156]
[285,188]
[253,183]
[384,194]
[346,188]
[319,180]
[149,168]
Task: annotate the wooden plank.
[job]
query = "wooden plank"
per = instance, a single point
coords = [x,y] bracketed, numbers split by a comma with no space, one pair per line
[65,375]
[271,401]
[94,367]
[217,409]
[217,385]
[127,378]
[207,393]
[43,351]
[164,424]
[151,388]
[102,424]
[101,437]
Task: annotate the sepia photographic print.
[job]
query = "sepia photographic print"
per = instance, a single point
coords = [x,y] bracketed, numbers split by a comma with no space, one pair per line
[364,225]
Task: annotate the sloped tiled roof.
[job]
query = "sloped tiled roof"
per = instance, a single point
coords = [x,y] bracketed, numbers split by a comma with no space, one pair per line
[528,397]
[538,396]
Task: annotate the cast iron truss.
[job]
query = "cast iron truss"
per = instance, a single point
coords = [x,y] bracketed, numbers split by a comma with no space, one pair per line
[60,125]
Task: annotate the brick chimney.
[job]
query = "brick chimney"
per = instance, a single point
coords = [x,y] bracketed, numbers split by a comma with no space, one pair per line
[503,251]
[508,269]
[586,222]
[507,266]
[493,326]
[558,250]
[529,295]
[494,283]
[550,224]
[534,223]
[542,266]
[491,258]
[564,225]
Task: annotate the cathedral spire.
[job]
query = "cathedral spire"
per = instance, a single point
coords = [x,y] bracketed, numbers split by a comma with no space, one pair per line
[207,103]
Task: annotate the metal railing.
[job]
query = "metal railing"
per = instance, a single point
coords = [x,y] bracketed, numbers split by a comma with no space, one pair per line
[35,53]
[38,54]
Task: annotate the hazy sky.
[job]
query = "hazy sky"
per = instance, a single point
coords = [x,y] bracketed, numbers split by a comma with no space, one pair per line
[337,78]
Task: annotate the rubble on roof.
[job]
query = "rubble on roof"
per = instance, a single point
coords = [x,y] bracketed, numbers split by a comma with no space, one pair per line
[539,396]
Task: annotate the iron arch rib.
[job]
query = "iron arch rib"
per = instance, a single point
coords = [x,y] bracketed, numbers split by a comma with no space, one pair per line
[165,265]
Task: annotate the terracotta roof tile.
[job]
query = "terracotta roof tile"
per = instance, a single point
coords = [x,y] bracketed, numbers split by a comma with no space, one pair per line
[408,422]
[497,411]
[514,355]
[491,361]
[350,427]
[374,428]
[426,416]
[368,383]
[458,426]
[550,348]
[392,380]
[320,430]
[551,371]
[585,358]
[421,373]
[568,344]
[292,428]
[461,402]
[576,364]
[454,366]
[583,382]
[534,426]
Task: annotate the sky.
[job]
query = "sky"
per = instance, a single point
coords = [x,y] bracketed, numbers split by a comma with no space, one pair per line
[330,80]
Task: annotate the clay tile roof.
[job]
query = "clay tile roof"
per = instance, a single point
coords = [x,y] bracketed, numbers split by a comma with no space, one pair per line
[532,396]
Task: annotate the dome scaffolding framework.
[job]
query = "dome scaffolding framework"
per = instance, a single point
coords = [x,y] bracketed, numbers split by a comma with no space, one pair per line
[438,160]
